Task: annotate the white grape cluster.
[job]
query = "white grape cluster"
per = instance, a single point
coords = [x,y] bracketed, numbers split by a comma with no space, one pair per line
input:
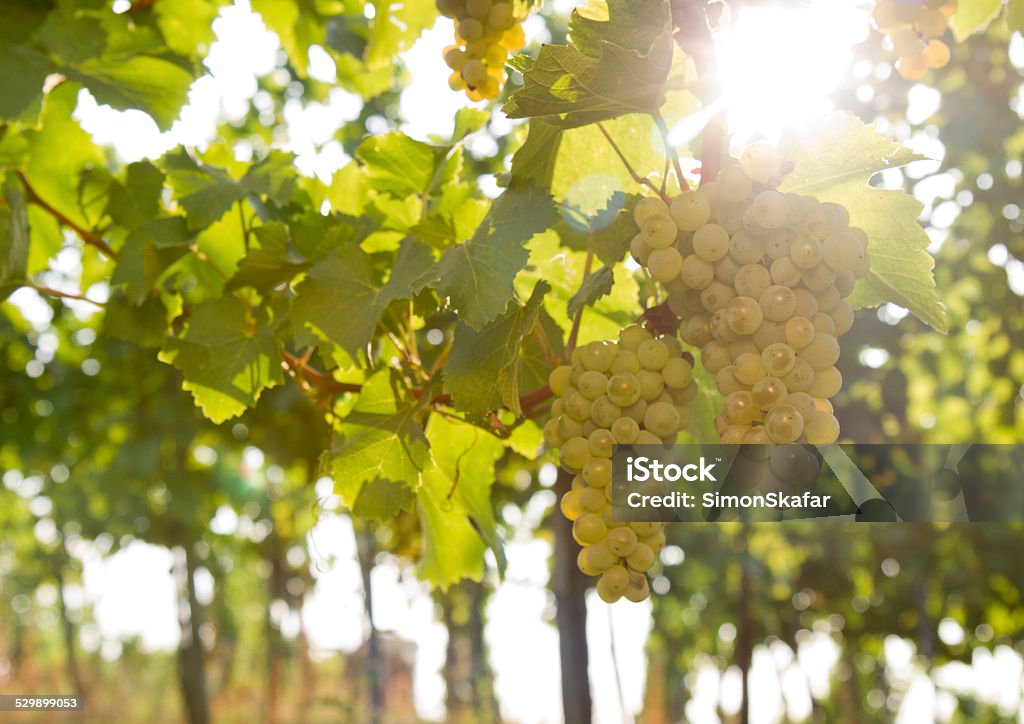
[486,31]
[634,391]
[915,29]
[758,279]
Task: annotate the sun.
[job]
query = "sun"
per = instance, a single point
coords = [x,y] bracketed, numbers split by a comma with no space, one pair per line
[779,63]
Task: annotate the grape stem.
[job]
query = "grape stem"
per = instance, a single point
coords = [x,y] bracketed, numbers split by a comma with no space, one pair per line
[629,169]
[89,237]
[663,127]
[64,295]
[574,333]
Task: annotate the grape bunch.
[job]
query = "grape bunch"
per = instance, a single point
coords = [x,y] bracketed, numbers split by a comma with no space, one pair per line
[915,29]
[758,279]
[633,391]
[486,31]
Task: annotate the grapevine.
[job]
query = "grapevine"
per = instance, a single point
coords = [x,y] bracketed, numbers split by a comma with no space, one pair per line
[485,33]
[633,391]
[915,29]
[758,279]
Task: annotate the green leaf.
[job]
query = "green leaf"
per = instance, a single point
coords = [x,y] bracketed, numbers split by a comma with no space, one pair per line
[137,200]
[204,192]
[395,27]
[24,70]
[454,503]
[186,25]
[482,372]
[341,300]
[1015,15]
[613,228]
[477,276]
[396,164]
[144,325]
[227,357]
[467,121]
[595,286]
[154,85]
[379,440]
[973,16]
[267,265]
[13,241]
[619,64]
[835,165]
[382,500]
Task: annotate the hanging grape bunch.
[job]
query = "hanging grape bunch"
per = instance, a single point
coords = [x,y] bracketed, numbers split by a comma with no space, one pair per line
[915,29]
[485,32]
[634,391]
[758,279]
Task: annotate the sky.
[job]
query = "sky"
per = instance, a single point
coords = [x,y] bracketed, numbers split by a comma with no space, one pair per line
[769,86]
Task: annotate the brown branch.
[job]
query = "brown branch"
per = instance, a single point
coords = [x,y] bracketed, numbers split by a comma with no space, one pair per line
[570,345]
[629,168]
[663,128]
[64,295]
[139,5]
[87,236]
[322,381]
[530,400]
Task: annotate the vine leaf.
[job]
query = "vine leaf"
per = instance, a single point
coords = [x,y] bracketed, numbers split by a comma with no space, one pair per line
[973,17]
[835,165]
[454,503]
[341,300]
[13,241]
[227,358]
[482,372]
[477,276]
[619,63]
[380,440]
[595,286]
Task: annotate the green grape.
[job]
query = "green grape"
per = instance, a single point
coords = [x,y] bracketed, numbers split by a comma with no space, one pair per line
[752,280]
[604,412]
[842,316]
[569,428]
[576,406]
[690,210]
[819,278]
[612,584]
[571,505]
[478,8]
[824,324]
[640,250]
[806,303]
[743,346]
[828,299]
[768,391]
[726,269]
[716,296]
[696,273]
[739,408]
[785,273]
[659,232]
[799,332]
[653,355]
[661,419]
[592,384]
[638,408]
[711,242]
[842,251]
[471,29]
[646,437]
[597,356]
[592,500]
[625,430]
[822,352]
[664,264]
[575,453]
[744,315]
[551,437]
[748,368]
[745,248]
[600,557]
[821,222]
[631,337]
[651,385]
[641,559]
[732,185]
[696,331]
[769,333]
[777,303]
[501,16]
[623,390]
[846,281]
[794,464]
[734,434]
[648,207]
[777,243]
[625,363]
[622,541]
[677,373]
[784,424]
[726,381]
[760,161]
[769,209]
[589,528]
[600,443]
[805,252]
[778,359]
[827,382]
[560,379]
[715,356]
[800,377]
[802,403]
[822,429]
[598,472]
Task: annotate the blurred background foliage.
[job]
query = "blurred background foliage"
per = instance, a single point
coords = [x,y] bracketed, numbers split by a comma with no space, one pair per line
[101,450]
